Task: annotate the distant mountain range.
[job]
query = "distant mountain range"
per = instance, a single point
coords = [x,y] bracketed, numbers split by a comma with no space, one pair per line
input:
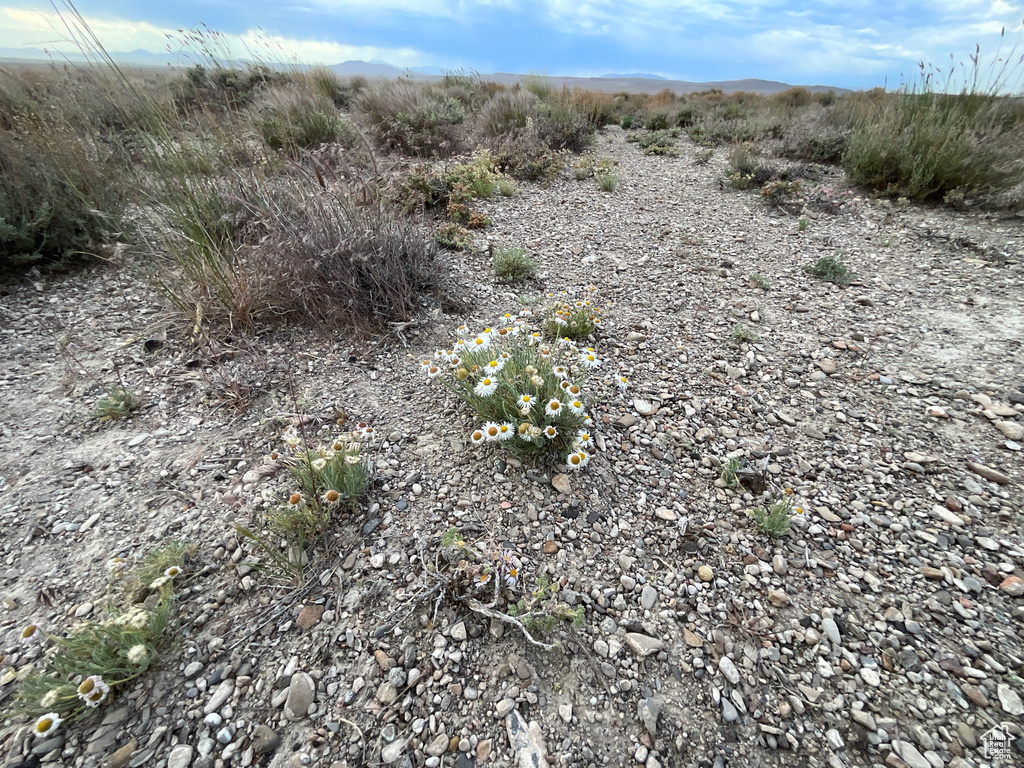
[629,77]
[613,83]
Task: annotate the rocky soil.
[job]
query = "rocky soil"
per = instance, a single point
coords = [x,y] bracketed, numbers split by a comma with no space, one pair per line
[885,629]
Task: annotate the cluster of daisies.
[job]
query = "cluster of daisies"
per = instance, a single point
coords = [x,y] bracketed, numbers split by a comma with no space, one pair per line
[323,470]
[573,318]
[525,388]
[133,626]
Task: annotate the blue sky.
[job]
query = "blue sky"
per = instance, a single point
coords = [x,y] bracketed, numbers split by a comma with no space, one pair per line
[847,43]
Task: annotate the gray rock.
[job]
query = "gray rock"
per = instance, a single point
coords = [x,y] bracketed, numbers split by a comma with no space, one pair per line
[180,757]
[642,645]
[301,693]
[265,739]
[1009,700]
[526,740]
[648,596]
[729,712]
[220,695]
[648,711]
[727,668]
[831,630]
[392,752]
[835,741]
[908,752]
[438,745]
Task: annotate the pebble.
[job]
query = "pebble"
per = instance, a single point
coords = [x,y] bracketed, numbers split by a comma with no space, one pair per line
[180,756]
[301,692]
[648,596]
[1009,700]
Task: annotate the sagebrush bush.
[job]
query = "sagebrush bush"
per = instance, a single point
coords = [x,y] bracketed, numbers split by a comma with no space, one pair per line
[403,117]
[561,126]
[746,169]
[831,269]
[292,119]
[923,146]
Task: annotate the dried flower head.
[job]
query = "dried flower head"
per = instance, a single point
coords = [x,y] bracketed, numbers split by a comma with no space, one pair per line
[138,654]
[332,497]
[295,499]
[160,583]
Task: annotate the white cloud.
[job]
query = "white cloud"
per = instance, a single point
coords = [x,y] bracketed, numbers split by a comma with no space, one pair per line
[21,27]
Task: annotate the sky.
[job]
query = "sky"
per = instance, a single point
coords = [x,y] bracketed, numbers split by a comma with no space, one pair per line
[844,43]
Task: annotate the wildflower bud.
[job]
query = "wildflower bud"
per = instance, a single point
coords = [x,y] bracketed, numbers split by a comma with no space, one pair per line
[461,374]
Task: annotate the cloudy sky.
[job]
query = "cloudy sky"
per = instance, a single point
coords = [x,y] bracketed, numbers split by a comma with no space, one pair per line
[849,43]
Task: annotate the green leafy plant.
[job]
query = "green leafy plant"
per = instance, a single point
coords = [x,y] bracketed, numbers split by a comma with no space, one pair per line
[741,333]
[659,142]
[118,403]
[774,521]
[729,477]
[830,268]
[802,223]
[703,156]
[759,280]
[607,181]
[627,122]
[540,610]
[512,264]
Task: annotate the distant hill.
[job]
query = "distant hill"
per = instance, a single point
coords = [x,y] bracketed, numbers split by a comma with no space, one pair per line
[635,83]
[640,75]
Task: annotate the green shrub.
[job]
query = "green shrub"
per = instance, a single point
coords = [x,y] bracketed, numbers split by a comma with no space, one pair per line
[656,121]
[607,181]
[774,521]
[660,142]
[923,146]
[831,269]
[512,264]
[561,126]
[627,122]
[452,236]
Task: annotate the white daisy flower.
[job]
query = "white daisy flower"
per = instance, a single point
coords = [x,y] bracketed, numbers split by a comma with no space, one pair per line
[47,724]
[425,365]
[564,342]
[172,572]
[506,431]
[589,360]
[573,390]
[560,371]
[477,436]
[576,460]
[622,384]
[480,342]
[485,387]
[505,356]
[584,439]
[31,634]
[576,406]
[460,345]
[525,402]
[544,353]
[550,432]
[456,361]
[433,371]
[495,366]
[564,385]
[462,330]
[553,407]
[93,691]
[491,431]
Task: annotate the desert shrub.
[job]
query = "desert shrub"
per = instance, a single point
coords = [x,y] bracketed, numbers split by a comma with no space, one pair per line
[513,264]
[746,169]
[291,119]
[561,126]
[597,108]
[925,145]
[57,199]
[327,84]
[831,269]
[404,118]
[627,122]
[656,121]
[452,236]
[794,98]
[568,318]
[508,113]
[524,157]
[660,142]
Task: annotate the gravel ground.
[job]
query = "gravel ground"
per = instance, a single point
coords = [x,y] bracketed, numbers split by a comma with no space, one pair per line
[885,629]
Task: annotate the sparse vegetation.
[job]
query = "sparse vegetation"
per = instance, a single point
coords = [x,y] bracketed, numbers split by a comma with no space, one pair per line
[830,268]
[513,264]
[774,520]
[742,334]
[759,281]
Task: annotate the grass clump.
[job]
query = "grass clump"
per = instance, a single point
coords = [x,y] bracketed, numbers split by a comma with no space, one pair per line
[87,666]
[607,179]
[774,521]
[291,119]
[746,169]
[513,265]
[830,268]
[730,478]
